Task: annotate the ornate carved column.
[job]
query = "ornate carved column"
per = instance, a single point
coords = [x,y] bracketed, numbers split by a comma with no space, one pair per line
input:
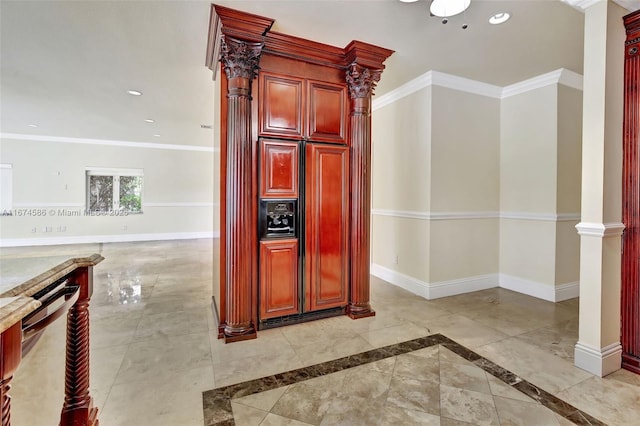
[361,82]
[630,292]
[240,61]
[78,406]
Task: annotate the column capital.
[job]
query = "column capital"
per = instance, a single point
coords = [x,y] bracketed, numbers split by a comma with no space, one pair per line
[361,80]
[240,58]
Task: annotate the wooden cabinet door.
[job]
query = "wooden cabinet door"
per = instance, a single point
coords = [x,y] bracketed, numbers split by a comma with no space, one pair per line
[326,226]
[278,169]
[327,112]
[278,278]
[281,106]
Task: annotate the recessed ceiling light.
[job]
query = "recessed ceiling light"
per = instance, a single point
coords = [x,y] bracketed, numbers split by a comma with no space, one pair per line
[499,18]
[32,125]
[156,136]
[149,120]
[134,92]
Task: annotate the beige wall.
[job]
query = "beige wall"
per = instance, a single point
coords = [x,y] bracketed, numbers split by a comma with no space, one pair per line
[401,178]
[50,176]
[436,186]
[492,184]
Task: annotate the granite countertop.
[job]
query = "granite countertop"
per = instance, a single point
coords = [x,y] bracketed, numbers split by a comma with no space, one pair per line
[22,277]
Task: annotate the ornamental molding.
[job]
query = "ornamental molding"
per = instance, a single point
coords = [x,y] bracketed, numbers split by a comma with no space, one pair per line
[361,81]
[240,58]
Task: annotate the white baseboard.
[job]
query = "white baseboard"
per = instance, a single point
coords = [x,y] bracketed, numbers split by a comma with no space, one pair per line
[437,289]
[440,289]
[600,362]
[119,238]
[406,282]
[567,291]
[552,293]
[462,285]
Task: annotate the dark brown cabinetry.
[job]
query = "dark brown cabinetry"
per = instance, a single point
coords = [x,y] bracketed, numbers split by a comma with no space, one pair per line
[295,176]
[278,278]
[326,267]
[630,300]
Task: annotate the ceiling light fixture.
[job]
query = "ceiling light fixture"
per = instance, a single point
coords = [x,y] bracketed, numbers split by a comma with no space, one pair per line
[32,125]
[149,120]
[447,8]
[499,18]
[134,92]
[156,135]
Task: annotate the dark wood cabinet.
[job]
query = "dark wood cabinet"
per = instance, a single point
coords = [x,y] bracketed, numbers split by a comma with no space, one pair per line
[294,107]
[327,112]
[282,105]
[326,268]
[630,296]
[279,169]
[278,278]
[295,141]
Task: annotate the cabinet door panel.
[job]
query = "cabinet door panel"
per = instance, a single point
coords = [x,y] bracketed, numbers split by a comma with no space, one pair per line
[326,220]
[278,278]
[327,112]
[282,102]
[278,169]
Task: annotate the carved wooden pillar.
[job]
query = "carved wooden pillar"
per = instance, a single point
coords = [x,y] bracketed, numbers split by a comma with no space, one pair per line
[361,82]
[240,61]
[630,291]
[78,406]
[9,360]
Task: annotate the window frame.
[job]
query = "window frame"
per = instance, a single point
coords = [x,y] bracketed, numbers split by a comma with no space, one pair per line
[116,174]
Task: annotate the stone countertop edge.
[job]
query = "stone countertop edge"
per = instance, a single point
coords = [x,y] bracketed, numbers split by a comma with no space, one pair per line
[16,310]
[34,285]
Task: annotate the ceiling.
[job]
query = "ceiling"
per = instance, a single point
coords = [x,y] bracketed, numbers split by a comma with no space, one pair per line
[66,66]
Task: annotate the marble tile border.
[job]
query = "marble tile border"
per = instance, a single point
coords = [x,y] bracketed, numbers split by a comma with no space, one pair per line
[217,402]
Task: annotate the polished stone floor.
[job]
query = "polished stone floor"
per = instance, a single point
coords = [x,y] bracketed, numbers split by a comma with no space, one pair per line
[154,352]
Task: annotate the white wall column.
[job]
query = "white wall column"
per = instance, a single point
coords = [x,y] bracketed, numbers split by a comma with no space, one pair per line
[598,349]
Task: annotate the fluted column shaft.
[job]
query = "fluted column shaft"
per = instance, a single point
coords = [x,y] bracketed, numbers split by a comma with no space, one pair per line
[240,61]
[361,82]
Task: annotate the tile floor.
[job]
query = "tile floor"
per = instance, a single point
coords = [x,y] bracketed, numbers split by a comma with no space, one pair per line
[154,352]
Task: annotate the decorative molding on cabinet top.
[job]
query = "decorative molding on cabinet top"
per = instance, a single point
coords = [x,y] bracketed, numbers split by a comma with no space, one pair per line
[436,78]
[116,238]
[602,230]
[107,142]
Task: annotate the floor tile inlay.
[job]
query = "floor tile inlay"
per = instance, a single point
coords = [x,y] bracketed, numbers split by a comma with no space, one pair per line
[218,410]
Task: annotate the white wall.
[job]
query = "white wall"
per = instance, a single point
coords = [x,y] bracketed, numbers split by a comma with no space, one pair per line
[49,180]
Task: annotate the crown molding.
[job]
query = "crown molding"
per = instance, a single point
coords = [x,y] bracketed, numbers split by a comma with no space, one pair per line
[582,5]
[435,78]
[560,76]
[87,141]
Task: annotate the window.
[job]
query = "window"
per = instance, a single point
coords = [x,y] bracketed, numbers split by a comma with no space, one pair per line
[114,190]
